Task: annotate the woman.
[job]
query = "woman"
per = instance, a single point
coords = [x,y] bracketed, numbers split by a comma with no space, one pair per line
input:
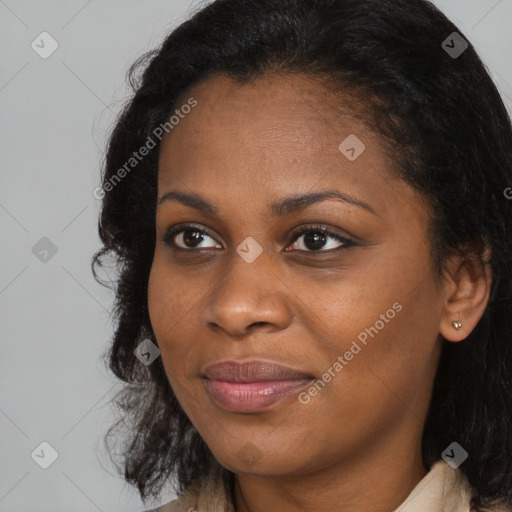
[308,204]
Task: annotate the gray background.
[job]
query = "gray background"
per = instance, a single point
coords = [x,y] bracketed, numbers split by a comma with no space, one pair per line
[54,317]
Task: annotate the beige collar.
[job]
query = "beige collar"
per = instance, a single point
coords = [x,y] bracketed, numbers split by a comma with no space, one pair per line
[443,489]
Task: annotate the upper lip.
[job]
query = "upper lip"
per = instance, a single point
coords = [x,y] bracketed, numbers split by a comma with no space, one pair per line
[253,371]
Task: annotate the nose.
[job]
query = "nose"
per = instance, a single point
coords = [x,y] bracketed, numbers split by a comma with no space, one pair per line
[249,297]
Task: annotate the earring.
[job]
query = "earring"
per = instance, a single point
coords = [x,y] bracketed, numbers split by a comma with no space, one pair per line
[457,324]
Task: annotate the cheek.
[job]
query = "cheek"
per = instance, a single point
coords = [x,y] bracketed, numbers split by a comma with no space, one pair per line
[385,382]
[170,300]
[384,324]
[173,310]
[159,301]
[167,312]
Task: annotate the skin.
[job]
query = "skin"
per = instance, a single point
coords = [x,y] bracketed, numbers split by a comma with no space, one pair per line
[357,444]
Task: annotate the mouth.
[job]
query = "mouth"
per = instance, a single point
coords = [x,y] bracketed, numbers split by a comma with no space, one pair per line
[253,385]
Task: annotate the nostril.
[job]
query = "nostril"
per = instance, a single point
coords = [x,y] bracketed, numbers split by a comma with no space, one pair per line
[258,323]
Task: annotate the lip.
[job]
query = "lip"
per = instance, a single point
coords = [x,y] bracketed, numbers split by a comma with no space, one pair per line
[253,371]
[251,386]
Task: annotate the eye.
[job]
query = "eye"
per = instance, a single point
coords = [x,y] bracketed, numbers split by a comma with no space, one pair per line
[315,237]
[189,237]
[185,237]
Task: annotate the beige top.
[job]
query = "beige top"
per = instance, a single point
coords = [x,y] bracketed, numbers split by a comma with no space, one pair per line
[443,489]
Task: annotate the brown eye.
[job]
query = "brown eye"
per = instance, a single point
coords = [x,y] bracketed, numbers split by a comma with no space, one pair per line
[316,238]
[187,237]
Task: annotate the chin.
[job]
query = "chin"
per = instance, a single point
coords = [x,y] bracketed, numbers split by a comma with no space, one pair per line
[249,458]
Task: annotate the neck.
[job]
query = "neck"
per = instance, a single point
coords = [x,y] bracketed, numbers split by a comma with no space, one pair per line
[348,487]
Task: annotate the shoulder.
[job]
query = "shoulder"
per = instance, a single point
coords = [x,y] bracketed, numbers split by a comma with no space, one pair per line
[457,491]
[211,494]
[187,502]
[177,505]
[171,506]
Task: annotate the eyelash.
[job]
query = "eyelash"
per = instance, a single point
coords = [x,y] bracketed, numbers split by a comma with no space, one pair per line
[347,243]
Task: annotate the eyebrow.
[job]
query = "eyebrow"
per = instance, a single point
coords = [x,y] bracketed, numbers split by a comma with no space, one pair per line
[279,208]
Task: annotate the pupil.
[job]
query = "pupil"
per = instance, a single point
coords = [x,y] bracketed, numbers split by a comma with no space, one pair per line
[196,237]
[316,238]
[312,240]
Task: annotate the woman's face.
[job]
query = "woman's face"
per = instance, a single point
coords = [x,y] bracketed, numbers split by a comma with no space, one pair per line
[357,319]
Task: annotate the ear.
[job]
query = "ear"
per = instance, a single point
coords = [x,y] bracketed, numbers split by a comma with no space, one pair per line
[467,286]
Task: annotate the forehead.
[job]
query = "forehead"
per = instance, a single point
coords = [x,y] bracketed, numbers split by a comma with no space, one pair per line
[272,136]
[294,108]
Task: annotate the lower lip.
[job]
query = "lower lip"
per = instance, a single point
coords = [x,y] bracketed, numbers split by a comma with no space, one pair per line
[251,396]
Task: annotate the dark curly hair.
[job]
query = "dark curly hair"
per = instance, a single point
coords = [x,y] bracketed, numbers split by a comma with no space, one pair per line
[445,126]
